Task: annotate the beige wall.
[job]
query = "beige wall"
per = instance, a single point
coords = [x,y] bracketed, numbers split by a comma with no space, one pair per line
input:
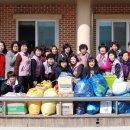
[83,22]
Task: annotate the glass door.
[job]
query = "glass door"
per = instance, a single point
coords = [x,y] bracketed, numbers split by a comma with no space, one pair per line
[26,31]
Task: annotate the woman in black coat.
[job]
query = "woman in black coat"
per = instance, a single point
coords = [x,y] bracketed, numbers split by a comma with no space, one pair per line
[92,68]
[11,84]
[62,67]
[67,51]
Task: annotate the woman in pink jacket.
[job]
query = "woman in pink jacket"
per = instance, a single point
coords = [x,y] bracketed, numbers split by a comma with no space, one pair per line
[103,60]
[22,67]
[116,68]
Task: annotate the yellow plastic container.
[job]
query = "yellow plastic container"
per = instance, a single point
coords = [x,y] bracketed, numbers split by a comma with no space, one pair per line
[110,80]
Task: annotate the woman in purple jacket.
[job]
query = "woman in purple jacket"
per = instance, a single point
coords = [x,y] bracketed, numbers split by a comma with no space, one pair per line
[125,63]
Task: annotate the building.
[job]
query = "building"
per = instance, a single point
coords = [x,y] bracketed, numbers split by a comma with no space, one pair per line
[57,21]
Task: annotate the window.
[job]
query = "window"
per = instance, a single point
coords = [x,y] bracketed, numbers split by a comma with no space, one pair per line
[119,33]
[46,33]
[105,29]
[108,30]
[38,33]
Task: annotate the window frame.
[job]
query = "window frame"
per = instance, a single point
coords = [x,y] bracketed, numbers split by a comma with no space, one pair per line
[36,29]
[127,21]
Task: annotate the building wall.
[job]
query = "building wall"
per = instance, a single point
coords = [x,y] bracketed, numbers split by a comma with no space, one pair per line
[108,9]
[67,25]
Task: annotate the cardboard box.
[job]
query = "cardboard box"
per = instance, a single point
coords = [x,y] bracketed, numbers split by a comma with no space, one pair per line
[65,84]
[106,107]
[15,108]
[66,94]
[67,108]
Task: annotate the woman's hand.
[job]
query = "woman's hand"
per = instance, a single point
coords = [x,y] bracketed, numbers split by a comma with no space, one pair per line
[8,82]
[74,80]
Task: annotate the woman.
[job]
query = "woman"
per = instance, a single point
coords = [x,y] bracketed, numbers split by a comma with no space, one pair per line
[48,68]
[103,60]
[22,66]
[43,51]
[102,56]
[116,65]
[36,65]
[125,63]
[2,61]
[54,51]
[11,57]
[92,68]
[11,84]
[76,67]
[47,52]
[116,47]
[67,51]
[83,55]
[62,67]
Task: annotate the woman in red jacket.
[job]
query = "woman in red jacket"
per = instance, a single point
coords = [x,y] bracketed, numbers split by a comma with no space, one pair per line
[2,61]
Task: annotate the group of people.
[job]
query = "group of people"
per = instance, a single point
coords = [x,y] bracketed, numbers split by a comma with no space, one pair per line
[20,70]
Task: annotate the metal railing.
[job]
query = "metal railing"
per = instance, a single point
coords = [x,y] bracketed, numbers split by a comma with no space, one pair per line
[61,100]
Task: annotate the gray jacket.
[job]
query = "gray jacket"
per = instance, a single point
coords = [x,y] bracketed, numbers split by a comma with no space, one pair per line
[10,60]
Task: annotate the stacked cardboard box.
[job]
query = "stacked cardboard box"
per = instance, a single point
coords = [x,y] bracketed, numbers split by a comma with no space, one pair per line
[106,107]
[67,108]
[15,108]
[65,85]
[66,94]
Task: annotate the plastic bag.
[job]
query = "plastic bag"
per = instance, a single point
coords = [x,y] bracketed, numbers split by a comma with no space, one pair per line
[109,93]
[93,108]
[51,92]
[44,85]
[34,107]
[49,108]
[127,107]
[83,89]
[127,102]
[121,107]
[35,92]
[119,87]
[80,108]
[99,85]
[126,94]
